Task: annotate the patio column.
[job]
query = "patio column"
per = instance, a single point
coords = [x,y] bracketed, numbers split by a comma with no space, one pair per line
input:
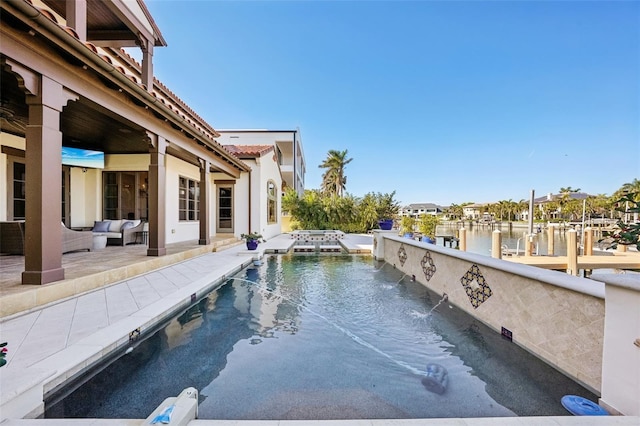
[43,229]
[203,215]
[157,196]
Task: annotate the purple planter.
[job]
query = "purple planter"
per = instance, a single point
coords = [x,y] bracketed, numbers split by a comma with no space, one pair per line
[252,244]
[385,224]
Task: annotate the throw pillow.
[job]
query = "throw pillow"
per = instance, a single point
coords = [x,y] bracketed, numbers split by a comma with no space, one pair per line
[127,225]
[101,226]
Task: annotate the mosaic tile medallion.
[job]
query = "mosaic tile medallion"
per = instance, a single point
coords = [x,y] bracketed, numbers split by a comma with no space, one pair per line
[428,267]
[402,254]
[475,286]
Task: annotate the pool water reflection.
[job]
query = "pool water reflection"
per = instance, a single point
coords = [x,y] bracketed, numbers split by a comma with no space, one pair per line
[324,337]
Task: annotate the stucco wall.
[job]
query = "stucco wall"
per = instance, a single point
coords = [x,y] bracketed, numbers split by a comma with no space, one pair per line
[176,230]
[268,170]
[558,317]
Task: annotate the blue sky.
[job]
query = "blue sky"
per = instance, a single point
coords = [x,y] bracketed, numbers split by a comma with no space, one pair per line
[443,102]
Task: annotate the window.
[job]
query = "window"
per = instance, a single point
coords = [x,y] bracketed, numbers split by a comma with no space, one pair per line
[19,191]
[188,199]
[272,202]
[125,195]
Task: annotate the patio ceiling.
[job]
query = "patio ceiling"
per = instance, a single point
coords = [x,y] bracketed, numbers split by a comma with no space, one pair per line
[84,124]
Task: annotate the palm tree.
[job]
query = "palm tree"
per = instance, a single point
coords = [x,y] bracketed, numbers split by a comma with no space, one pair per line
[632,190]
[632,187]
[564,197]
[334,181]
[454,211]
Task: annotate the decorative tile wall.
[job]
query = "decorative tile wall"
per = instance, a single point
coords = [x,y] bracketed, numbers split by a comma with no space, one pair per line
[561,326]
[402,254]
[428,266]
[479,292]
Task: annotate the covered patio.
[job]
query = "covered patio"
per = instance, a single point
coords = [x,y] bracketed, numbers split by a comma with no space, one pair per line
[67,85]
[86,271]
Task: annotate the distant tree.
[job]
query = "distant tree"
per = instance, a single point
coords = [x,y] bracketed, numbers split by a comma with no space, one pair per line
[454,211]
[316,210]
[568,190]
[523,205]
[334,180]
[632,187]
[565,197]
[600,205]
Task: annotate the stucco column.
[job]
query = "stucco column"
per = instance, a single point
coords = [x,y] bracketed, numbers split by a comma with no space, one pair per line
[621,347]
[43,228]
[378,242]
[203,214]
[157,196]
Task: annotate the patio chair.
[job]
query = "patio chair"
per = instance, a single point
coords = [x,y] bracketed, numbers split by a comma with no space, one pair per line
[76,240]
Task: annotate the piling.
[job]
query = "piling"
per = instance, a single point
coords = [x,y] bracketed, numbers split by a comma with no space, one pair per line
[550,239]
[463,239]
[496,244]
[572,252]
[529,245]
[588,242]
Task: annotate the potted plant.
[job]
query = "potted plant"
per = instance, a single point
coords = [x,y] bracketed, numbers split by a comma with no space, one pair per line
[386,209]
[385,224]
[3,354]
[427,227]
[406,226]
[252,239]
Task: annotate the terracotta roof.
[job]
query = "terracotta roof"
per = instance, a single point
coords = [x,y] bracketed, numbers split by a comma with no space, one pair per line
[249,151]
[130,68]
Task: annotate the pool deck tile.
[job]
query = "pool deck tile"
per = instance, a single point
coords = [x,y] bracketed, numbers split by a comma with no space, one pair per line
[62,339]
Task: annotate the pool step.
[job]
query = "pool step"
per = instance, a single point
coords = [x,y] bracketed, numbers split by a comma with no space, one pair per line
[325,248]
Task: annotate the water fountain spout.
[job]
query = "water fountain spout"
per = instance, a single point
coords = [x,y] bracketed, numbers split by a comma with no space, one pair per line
[445,297]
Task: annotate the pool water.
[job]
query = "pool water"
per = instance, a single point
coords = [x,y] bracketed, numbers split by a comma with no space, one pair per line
[324,337]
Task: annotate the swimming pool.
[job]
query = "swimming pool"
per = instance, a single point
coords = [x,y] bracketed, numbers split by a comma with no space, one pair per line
[324,337]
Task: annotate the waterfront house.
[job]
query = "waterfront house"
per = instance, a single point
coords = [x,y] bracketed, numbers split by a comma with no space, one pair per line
[287,147]
[287,154]
[473,211]
[418,209]
[68,86]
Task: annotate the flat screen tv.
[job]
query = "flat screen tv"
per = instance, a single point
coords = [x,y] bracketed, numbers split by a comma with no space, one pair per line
[82,158]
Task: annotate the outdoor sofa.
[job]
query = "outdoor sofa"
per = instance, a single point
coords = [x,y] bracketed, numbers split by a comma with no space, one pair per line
[119,231]
[12,238]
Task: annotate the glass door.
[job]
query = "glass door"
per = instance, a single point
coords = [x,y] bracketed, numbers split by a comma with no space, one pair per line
[225,209]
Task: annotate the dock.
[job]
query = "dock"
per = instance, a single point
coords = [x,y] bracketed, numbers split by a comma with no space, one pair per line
[617,260]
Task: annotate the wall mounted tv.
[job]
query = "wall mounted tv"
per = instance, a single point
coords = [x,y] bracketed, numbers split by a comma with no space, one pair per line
[82,158]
